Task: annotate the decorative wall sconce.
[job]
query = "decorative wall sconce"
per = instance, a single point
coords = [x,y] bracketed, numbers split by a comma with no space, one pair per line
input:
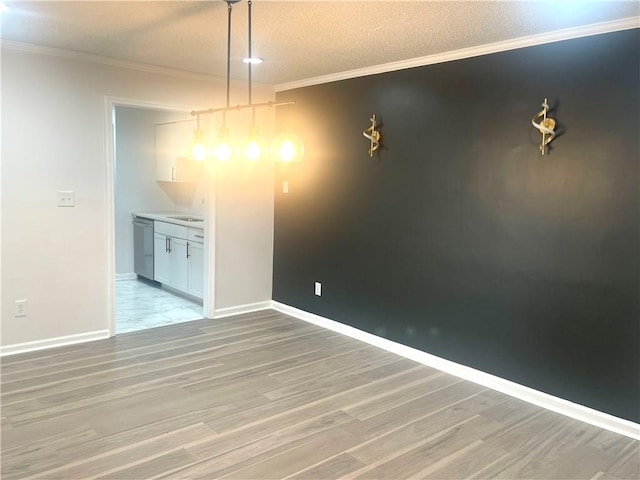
[546,126]
[373,135]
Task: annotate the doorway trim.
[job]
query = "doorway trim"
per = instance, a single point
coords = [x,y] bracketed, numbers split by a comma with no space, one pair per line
[208,300]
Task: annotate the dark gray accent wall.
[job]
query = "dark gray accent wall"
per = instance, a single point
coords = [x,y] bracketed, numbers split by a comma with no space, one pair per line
[459,238]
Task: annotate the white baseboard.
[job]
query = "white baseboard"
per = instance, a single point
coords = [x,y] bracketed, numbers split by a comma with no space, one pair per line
[541,399]
[239,309]
[102,334]
[126,276]
[53,342]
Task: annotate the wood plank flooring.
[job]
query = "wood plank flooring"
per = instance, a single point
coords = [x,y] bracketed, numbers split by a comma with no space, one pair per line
[264,395]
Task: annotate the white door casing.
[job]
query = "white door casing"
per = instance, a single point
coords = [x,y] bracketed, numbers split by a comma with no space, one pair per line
[209,211]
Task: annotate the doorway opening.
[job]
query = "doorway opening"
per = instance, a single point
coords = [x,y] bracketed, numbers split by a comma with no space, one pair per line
[160,227]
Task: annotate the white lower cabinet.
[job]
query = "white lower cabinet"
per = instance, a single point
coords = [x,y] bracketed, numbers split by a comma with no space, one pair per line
[179,266]
[195,268]
[161,259]
[178,261]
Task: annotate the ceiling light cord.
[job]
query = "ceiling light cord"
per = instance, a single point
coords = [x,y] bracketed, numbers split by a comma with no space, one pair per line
[250,57]
[253,110]
[224,113]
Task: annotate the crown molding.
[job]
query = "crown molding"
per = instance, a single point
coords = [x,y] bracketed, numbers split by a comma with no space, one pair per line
[113,62]
[521,42]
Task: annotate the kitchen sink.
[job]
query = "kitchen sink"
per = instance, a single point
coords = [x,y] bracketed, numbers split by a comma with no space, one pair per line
[186,218]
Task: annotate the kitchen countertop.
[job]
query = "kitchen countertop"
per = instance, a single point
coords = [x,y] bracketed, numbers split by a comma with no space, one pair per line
[166,217]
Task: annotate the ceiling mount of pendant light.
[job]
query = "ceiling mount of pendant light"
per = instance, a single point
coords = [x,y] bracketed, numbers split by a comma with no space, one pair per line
[286,147]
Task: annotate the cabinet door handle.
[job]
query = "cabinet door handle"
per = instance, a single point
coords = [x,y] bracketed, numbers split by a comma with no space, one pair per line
[169,239]
[187,249]
[166,244]
[173,174]
[199,236]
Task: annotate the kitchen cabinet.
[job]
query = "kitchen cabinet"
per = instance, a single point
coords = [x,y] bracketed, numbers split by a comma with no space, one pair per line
[173,162]
[161,260]
[179,257]
[178,264]
[195,269]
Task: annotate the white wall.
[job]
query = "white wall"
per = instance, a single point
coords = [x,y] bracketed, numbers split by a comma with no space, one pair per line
[251,199]
[54,138]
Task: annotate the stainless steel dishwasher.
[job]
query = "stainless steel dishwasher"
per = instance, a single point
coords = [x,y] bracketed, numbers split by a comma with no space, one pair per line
[143,247]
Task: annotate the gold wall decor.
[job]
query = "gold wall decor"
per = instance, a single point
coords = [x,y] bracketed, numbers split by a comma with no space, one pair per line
[546,126]
[373,135]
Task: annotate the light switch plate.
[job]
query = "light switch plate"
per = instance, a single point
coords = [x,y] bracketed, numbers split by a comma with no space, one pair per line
[285,187]
[66,198]
[20,308]
[318,289]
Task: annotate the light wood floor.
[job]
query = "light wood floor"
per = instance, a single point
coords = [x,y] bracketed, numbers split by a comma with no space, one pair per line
[263,396]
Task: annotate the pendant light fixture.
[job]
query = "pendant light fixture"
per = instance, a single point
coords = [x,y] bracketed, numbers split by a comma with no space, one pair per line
[253,147]
[286,147]
[198,148]
[223,146]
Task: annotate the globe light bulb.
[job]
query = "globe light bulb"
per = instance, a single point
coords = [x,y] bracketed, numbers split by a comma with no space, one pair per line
[287,151]
[223,147]
[198,149]
[253,146]
[253,151]
[199,152]
[223,151]
[288,148]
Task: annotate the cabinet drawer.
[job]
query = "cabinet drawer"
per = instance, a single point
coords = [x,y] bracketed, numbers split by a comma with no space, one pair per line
[196,235]
[170,229]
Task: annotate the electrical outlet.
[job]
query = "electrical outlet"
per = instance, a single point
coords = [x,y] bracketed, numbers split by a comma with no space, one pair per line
[285,187]
[318,289]
[21,308]
[66,198]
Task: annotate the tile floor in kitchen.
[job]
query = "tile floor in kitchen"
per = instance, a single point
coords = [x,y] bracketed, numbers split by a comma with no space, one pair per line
[141,305]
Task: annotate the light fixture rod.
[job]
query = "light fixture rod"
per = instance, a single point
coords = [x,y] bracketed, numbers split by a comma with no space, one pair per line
[242,107]
[229,9]
[249,64]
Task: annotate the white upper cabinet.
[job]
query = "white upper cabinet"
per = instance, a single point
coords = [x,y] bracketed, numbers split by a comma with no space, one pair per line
[173,162]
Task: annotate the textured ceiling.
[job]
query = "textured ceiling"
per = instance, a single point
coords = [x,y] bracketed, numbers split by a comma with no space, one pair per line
[297,39]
